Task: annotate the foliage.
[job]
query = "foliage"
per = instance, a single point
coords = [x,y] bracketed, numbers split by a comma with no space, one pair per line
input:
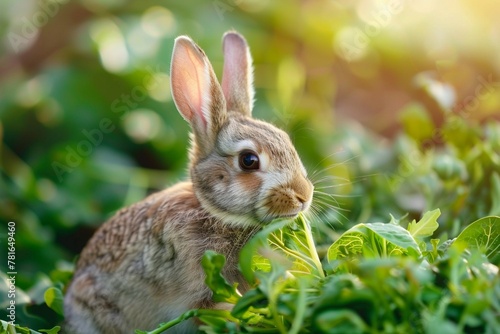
[8,328]
[453,290]
[87,126]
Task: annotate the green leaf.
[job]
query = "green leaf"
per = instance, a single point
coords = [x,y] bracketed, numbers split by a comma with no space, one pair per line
[373,239]
[417,122]
[217,321]
[253,298]
[435,249]
[7,328]
[299,314]
[54,330]
[166,325]
[250,249]
[214,322]
[425,226]
[312,253]
[483,234]
[495,194]
[449,167]
[340,321]
[55,300]
[295,241]
[213,263]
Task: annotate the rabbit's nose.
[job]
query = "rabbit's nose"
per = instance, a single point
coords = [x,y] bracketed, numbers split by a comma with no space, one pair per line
[301,198]
[303,189]
[305,202]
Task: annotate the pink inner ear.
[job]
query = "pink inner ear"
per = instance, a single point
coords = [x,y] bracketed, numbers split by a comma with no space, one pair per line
[237,76]
[232,62]
[235,67]
[195,83]
[189,81]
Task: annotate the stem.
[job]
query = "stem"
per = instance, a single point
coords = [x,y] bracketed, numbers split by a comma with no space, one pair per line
[374,245]
[289,251]
[311,246]
[190,314]
[273,305]
[173,322]
[301,309]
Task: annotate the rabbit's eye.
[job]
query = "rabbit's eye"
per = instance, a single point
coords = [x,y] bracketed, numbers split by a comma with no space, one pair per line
[249,160]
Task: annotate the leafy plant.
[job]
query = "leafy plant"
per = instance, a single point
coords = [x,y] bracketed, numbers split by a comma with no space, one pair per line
[8,328]
[444,153]
[378,278]
[483,235]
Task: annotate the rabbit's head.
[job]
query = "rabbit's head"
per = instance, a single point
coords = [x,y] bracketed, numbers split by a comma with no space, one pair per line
[244,171]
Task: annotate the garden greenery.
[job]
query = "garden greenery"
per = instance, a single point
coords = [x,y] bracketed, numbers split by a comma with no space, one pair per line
[436,273]
[377,278]
[402,235]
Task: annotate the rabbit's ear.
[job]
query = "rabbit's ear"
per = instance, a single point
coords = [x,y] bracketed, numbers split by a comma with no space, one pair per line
[237,77]
[197,93]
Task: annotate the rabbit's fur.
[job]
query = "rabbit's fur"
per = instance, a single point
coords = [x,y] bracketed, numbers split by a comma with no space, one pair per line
[143,266]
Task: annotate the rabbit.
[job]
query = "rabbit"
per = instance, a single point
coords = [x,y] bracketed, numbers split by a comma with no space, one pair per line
[143,266]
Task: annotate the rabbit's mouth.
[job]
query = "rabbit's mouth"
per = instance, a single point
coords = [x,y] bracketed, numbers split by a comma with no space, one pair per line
[289,216]
[283,203]
[292,214]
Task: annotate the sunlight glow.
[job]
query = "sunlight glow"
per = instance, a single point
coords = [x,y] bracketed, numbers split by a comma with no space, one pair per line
[111,44]
[158,22]
[142,125]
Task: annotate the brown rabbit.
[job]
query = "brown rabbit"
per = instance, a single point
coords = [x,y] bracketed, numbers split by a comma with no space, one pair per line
[143,266]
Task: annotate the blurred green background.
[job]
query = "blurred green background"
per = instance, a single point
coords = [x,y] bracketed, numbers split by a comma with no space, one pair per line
[393,105]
